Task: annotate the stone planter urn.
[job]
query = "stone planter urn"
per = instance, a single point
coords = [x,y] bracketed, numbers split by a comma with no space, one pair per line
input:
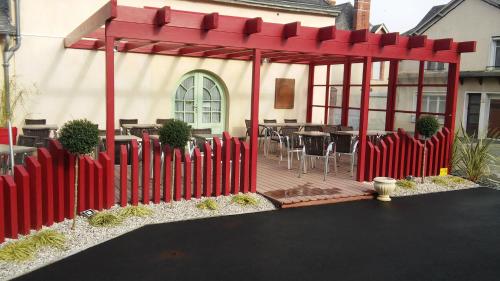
[384,187]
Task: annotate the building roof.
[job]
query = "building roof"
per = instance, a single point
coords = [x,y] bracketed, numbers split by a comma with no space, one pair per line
[310,6]
[438,12]
[345,21]
[5,23]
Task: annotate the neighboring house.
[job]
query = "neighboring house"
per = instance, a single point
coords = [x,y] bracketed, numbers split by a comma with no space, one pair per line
[71,85]
[479,91]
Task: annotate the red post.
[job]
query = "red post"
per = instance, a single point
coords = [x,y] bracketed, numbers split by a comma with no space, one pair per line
[235,180]
[420,91]
[310,92]
[22,180]
[90,183]
[82,184]
[226,164]
[245,164]
[197,173]
[146,167]
[346,91]
[327,94]
[134,172]
[187,176]
[167,174]
[123,175]
[363,116]
[57,152]
[156,171]
[69,179]
[109,190]
[451,104]
[254,142]
[391,95]
[35,171]
[178,175]
[10,201]
[217,167]
[110,98]
[207,171]
[47,186]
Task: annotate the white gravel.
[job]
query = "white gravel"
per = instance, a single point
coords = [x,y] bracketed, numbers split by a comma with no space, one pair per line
[85,235]
[429,187]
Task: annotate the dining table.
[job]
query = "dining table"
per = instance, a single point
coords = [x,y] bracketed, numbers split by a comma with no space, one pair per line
[123,139]
[17,149]
[51,127]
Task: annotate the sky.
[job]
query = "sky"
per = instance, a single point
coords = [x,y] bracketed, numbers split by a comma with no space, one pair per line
[399,15]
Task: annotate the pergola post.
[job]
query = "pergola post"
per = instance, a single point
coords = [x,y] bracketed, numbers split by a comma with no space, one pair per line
[420,91]
[363,117]
[346,91]
[310,92]
[327,93]
[110,97]
[451,101]
[391,95]
[254,116]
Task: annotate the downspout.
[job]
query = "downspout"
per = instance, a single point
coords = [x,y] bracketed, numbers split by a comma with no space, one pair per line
[8,52]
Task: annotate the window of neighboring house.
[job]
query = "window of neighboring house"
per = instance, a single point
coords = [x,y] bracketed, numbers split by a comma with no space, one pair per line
[496,53]
[434,66]
[433,103]
[378,70]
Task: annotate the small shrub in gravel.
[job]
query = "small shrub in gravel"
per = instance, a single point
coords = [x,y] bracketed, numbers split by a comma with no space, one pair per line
[105,219]
[406,184]
[26,248]
[207,204]
[135,211]
[448,181]
[245,199]
[49,238]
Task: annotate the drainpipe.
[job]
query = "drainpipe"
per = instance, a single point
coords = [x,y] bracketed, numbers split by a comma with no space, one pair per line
[8,52]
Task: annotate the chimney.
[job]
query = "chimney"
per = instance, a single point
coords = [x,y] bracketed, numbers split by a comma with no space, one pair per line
[361,14]
[331,2]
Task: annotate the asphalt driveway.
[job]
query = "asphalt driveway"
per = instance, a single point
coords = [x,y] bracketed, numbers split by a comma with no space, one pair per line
[447,236]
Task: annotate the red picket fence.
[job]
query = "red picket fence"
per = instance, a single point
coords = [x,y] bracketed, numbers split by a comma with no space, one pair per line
[41,191]
[399,155]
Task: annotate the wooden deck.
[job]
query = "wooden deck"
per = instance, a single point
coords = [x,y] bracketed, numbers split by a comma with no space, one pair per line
[286,189]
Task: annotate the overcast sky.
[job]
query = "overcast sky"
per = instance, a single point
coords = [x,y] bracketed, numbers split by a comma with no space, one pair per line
[399,15]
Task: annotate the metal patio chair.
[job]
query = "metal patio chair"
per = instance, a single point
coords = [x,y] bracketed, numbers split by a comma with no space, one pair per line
[35,121]
[122,122]
[293,144]
[318,147]
[346,145]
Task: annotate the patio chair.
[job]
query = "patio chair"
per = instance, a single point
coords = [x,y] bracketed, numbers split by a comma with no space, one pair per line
[346,145]
[290,120]
[31,141]
[293,144]
[261,131]
[138,131]
[41,134]
[201,131]
[313,128]
[330,128]
[163,121]
[318,147]
[35,121]
[122,122]
[272,135]
[345,128]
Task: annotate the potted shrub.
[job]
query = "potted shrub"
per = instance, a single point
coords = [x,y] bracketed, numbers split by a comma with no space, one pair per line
[426,127]
[176,134]
[79,137]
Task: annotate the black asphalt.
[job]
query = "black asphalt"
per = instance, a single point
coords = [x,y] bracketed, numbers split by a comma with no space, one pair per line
[447,236]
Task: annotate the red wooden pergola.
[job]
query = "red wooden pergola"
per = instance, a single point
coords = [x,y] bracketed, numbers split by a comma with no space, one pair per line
[164,31]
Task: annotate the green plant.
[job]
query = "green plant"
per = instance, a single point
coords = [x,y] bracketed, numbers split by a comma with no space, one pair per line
[442,181]
[135,211]
[244,199]
[18,94]
[105,219]
[207,204]
[175,133]
[26,248]
[448,181]
[48,238]
[79,137]
[426,126]
[408,184]
[473,159]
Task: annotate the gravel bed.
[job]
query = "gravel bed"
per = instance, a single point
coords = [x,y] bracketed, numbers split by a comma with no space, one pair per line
[86,236]
[429,187]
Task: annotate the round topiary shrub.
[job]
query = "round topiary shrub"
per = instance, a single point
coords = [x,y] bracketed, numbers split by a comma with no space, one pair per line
[79,136]
[427,126]
[175,133]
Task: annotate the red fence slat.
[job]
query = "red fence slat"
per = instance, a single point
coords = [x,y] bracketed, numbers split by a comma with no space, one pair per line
[82,184]
[187,177]
[35,171]
[108,172]
[403,156]
[47,186]
[207,170]
[245,167]
[10,211]
[447,148]
[123,175]
[369,162]
[410,154]
[167,174]
[156,171]
[197,173]
[98,186]
[216,187]
[90,174]
[2,211]
[396,163]
[376,161]
[430,158]
[390,156]
[226,164]
[146,167]
[21,178]
[69,180]
[177,175]
[57,152]
[235,179]
[134,172]
[437,148]
[419,156]
[383,158]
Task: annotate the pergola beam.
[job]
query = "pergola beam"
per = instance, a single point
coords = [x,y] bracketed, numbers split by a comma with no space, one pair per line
[253,26]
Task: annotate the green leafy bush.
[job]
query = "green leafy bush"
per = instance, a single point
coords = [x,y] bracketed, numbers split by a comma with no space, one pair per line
[427,126]
[135,211]
[175,133]
[105,219]
[244,199]
[207,204]
[409,184]
[79,136]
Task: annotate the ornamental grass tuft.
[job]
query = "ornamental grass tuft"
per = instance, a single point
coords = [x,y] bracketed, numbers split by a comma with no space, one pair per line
[207,204]
[448,181]
[245,199]
[25,249]
[408,184]
[135,211]
[105,219]
[49,238]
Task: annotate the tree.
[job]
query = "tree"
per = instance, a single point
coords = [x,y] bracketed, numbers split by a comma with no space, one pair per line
[426,126]
[79,137]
